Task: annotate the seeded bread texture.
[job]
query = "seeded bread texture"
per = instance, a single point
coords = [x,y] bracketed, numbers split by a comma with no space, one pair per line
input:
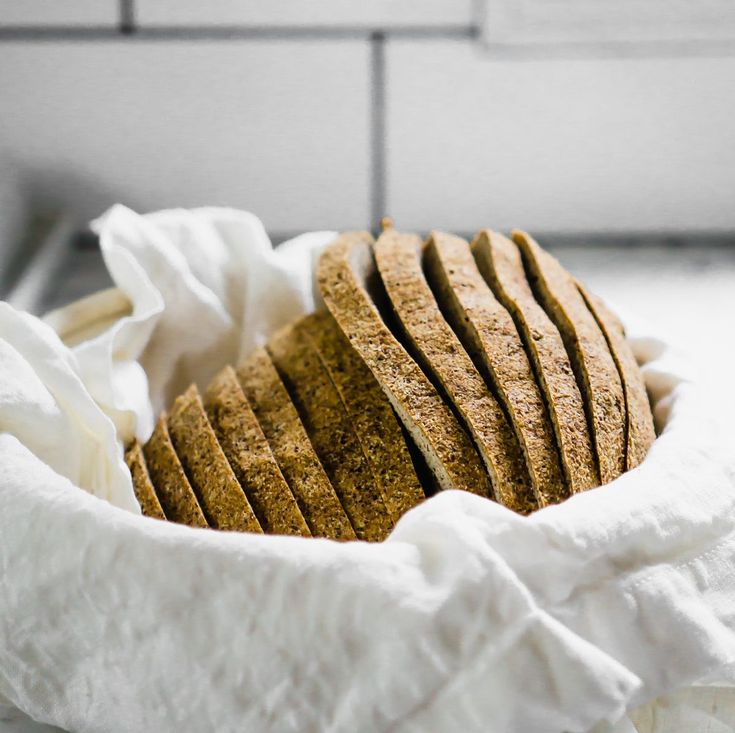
[640,432]
[372,417]
[590,355]
[223,500]
[173,489]
[292,448]
[500,263]
[330,430]
[144,491]
[346,275]
[490,336]
[250,456]
[443,359]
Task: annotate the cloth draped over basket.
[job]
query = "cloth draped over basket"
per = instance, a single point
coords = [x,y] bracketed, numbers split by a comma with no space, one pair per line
[612,611]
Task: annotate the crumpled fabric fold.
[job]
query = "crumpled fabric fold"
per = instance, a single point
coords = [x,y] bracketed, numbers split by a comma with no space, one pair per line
[613,611]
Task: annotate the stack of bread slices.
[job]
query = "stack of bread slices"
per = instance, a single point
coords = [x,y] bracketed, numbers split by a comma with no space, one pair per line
[436,365]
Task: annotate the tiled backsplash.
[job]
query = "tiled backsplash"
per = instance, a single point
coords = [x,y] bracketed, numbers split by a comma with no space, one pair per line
[280,128]
[323,13]
[329,114]
[44,13]
[571,145]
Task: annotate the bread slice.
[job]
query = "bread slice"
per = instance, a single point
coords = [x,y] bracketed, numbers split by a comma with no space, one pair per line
[372,417]
[592,362]
[247,451]
[216,486]
[144,491]
[330,430]
[292,448]
[442,356]
[500,263]
[640,432]
[491,338]
[348,282]
[173,489]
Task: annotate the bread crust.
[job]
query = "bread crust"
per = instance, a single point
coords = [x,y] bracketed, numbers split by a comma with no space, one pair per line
[330,430]
[588,351]
[375,424]
[639,429]
[344,274]
[292,448]
[490,336]
[500,264]
[222,499]
[173,489]
[444,359]
[247,450]
[142,485]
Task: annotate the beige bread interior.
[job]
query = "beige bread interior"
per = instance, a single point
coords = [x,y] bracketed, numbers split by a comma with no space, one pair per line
[491,338]
[292,448]
[445,361]
[500,263]
[369,411]
[350,285]
[246,448]
[594,367]
[330,430]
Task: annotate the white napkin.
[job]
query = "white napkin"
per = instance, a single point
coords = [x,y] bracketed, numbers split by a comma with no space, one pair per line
[468,618]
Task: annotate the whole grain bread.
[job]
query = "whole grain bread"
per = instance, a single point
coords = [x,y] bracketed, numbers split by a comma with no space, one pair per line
[443,359]
[144,491]
[173,489]
[640,432]
[223,500]
[490,336]
[247,450]
[375,424]
[330,431]
[292,448]
[588,351]
[500,263]
[348,282]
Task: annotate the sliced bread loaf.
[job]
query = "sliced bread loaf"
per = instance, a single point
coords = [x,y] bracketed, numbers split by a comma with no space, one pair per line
[490,336]
[594,367]
[444,359]
[223,500]
[142,485]
[372,417]
[173,489]
[330,431]
[500,263]
[250,456]
[349,282]
[292,448]
[640,432]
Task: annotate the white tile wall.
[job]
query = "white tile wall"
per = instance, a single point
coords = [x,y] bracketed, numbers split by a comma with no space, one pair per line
[560,145]
[59,12]
[278,128]
[521,22]
[387,13]
[283,127]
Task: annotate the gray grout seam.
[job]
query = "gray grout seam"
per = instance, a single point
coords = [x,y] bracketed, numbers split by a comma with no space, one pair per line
[127,28]
[377,112]
[127,17]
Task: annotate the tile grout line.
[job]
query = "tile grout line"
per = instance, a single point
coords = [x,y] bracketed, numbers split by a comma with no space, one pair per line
[127,17]
[377,129]
[128,26]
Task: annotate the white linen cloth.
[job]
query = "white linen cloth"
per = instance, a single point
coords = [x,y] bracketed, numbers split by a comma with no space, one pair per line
[613,611]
